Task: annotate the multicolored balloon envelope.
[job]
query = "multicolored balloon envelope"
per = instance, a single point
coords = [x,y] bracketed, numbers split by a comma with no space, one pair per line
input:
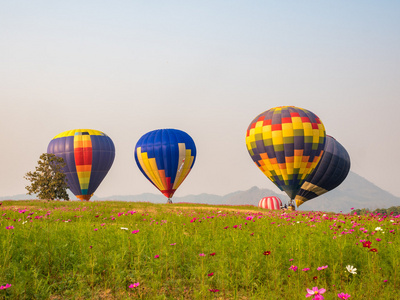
[88,154]
[165,157]
[331,171]
[270,203]
[286,143]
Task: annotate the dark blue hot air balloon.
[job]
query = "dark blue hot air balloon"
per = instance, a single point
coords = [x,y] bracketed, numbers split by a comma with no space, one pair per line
[88,154]
[330,172]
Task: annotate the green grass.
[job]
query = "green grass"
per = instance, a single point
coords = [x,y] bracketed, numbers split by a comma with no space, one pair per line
[57,253]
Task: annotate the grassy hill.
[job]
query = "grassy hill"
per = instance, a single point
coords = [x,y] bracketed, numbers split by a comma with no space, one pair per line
[135,250]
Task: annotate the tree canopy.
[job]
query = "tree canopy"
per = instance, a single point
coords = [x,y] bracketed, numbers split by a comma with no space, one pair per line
[48,182]
[394,210]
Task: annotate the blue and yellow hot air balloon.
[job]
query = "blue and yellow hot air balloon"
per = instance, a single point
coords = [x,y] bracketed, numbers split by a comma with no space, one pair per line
[330,172]
[88,154]
[165,157]
[286,143]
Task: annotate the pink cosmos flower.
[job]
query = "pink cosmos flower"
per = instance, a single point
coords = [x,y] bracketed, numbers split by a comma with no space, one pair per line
[173,244]
[95,229]
[134,285]
[294,268]
[321,268]
[135,231]
[156,256]
[211,274]
[250,218]
[214,290]
[343,296]
[10,227]
[202,254]
[315,292]
[306,269]
[3,287]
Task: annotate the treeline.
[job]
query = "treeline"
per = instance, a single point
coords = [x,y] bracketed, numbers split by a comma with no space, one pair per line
[394,210]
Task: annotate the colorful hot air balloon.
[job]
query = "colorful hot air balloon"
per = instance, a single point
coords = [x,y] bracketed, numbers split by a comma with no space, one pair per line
[286,143]
[88,154]
[330,172]
[270,203]
[165,157]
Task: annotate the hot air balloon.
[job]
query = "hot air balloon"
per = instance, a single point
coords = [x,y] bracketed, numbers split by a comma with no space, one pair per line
[88,154]
[286,143]
[330,172]
[270,203]
[165,157]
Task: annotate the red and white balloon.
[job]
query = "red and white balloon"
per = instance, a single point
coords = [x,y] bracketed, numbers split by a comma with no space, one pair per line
[270,203]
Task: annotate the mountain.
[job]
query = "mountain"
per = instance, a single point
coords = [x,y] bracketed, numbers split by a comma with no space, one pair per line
[18,197]
[354,192]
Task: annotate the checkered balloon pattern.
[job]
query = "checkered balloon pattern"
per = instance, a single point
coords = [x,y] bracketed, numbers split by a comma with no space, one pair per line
[286,143]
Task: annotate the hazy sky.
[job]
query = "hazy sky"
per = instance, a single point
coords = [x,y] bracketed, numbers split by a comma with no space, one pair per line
[205,67]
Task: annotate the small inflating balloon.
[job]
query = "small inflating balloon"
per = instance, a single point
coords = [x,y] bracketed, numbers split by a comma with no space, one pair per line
[270,203]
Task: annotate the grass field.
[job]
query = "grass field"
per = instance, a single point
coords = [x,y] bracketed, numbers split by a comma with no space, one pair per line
[127,250]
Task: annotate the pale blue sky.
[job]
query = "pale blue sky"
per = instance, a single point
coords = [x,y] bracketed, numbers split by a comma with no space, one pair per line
[205,67]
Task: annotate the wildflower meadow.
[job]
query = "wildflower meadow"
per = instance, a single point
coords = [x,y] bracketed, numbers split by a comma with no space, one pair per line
[127,250]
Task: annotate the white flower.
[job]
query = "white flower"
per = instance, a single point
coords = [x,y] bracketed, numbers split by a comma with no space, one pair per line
[351,269]
[378,229]
[123,228]
[391,220]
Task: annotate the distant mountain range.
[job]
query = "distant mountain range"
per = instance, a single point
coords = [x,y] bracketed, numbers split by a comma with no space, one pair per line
[354,192]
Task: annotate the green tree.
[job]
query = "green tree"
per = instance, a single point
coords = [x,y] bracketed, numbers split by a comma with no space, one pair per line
[48,181]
